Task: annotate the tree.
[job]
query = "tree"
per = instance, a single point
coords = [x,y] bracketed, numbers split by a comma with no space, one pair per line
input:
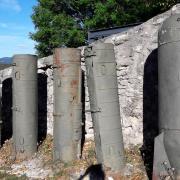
[54,29]
[66,22]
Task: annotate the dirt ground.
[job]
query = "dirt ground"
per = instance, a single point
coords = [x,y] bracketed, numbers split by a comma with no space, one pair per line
[41,165]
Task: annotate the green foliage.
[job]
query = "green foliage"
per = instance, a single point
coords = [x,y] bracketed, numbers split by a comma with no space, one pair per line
[5,176]
[66,22]
[54,27]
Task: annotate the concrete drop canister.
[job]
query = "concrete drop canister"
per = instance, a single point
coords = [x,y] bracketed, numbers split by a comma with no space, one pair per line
[67,104]
[168,163]
[104,104]
[25,107]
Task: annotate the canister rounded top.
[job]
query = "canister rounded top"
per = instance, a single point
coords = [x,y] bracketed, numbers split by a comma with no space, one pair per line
[66,55]
[100,46]
[24,56]
[170,30]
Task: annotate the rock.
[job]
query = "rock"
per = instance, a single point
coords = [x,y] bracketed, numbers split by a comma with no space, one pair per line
[120,39]
[128,169]
[110,178]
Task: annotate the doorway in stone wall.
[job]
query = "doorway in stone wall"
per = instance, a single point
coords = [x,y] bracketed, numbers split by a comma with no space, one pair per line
[6,128]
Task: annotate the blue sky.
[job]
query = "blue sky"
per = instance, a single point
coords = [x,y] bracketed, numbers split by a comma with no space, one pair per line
[15,25]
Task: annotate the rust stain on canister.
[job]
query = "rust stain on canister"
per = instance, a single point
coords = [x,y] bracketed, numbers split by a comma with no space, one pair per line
[74,83]
[67,98]
[58,61]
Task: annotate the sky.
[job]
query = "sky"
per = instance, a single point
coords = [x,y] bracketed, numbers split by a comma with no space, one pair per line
[15,25]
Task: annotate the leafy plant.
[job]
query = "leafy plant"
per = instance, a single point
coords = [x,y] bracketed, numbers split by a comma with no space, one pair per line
[66,22]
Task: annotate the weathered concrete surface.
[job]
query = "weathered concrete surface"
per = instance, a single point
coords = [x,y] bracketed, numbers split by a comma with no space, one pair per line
[136,56]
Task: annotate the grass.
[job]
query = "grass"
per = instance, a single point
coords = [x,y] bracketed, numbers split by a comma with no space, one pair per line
[5,176]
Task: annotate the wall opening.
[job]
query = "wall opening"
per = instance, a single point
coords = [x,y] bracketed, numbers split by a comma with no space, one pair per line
[6,110]
[42,107]
[150,110]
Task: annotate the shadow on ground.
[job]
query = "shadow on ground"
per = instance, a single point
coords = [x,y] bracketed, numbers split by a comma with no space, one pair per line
[94,172]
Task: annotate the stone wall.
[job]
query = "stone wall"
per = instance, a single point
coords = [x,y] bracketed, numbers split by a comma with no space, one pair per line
[137,73]
[136,56]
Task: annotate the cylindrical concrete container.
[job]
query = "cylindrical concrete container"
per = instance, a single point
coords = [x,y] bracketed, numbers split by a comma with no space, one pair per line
[67,104]
[104,103]
[25,107]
